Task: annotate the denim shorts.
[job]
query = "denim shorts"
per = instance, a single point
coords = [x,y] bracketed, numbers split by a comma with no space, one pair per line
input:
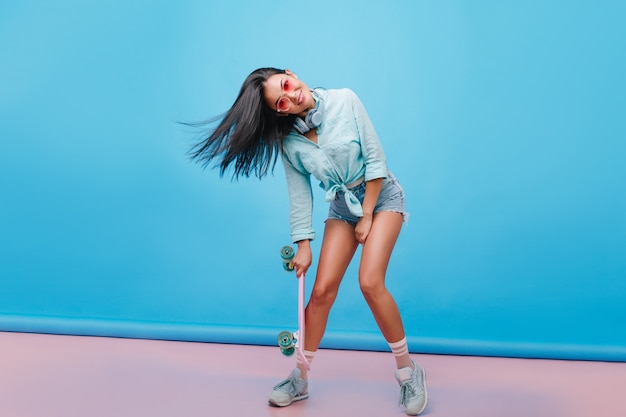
[391,198]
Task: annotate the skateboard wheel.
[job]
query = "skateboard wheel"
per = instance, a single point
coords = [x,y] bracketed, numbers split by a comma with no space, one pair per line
[285,340]
[287,253]
[288,266]
[289,351]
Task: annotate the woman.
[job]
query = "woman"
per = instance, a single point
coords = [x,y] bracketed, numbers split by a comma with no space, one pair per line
[327,134]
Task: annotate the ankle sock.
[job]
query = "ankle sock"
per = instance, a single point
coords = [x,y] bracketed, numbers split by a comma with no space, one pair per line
[400,350]
[309,357]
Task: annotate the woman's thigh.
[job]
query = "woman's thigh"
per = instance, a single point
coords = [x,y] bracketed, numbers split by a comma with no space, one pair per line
[338,247]
[378,247]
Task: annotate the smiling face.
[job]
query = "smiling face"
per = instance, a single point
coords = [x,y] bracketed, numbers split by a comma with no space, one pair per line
[286,94]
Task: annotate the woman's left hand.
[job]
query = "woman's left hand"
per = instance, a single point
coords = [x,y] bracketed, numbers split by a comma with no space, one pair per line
[363,228]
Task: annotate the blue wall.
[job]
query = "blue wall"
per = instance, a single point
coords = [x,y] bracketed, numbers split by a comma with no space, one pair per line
[503,120]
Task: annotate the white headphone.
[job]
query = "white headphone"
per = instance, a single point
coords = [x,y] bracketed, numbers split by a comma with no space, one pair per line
[312,119]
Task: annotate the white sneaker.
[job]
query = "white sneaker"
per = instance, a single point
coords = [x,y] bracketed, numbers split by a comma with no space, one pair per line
[291,389]
[413,395]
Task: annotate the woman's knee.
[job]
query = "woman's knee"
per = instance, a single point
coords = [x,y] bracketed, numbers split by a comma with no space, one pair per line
[372,287]
[324,295]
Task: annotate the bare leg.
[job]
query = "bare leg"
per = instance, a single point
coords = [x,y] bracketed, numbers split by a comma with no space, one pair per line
[373,268]
[338,247]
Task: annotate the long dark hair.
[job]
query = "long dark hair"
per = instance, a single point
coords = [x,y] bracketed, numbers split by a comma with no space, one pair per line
[250,133]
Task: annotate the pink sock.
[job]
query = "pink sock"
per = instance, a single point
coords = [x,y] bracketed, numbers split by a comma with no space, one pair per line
[400,350]
[304,373]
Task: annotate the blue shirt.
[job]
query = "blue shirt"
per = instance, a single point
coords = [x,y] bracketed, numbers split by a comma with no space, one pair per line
[347,150]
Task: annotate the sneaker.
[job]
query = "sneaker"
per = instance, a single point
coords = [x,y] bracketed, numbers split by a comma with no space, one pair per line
[291,389]
[413,394]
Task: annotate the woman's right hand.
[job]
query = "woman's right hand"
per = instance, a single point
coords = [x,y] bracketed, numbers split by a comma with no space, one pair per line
[303,259]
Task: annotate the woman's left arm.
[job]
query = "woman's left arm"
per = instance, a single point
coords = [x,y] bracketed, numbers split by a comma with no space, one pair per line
[375,166]
[364,225]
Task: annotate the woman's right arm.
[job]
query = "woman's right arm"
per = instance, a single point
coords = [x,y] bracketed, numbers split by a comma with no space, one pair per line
[300,215]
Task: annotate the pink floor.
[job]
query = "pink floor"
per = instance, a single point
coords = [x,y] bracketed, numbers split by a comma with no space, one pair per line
[70,376]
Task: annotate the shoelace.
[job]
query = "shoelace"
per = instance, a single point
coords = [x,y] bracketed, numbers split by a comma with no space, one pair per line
[292,385]
[407,390]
